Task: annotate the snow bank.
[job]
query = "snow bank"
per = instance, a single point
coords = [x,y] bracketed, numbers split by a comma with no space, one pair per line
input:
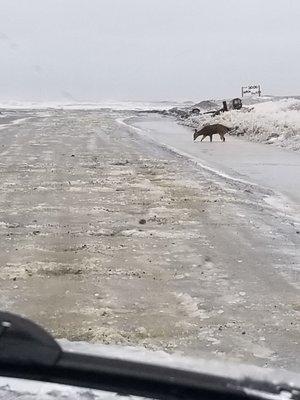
[272,122]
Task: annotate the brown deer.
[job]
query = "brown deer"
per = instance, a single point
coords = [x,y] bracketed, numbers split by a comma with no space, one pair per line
[211,130]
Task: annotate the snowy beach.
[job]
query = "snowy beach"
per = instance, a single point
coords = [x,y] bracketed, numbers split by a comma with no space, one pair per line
[110,237]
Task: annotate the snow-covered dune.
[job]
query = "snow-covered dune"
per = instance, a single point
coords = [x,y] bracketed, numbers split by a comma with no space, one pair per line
[272,122]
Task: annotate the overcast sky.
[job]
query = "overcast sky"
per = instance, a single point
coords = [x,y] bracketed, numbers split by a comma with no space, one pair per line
[94,50]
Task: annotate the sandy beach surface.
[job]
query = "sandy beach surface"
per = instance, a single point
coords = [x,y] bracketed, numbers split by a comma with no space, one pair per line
[109,237]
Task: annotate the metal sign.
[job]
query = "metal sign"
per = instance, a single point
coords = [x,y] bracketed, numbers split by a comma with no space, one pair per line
[251,90]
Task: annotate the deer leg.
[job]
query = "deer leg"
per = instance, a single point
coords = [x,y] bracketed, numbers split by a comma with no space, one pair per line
[210,138]
[203,137]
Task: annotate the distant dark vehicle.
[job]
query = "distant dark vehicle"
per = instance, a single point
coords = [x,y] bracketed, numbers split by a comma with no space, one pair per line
[211,130]
[237,104]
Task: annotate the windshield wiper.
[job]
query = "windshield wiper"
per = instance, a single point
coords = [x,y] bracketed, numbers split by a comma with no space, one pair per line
[28,352]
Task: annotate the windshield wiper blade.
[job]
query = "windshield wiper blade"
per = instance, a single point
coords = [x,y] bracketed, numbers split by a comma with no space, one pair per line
[29,352]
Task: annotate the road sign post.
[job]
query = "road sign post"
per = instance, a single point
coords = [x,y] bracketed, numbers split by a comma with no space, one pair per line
[251,90]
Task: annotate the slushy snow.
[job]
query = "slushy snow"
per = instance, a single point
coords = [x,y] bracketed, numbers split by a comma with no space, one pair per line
[272,122]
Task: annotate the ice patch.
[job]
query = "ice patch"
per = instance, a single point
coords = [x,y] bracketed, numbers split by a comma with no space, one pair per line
[190,305]
[162,235]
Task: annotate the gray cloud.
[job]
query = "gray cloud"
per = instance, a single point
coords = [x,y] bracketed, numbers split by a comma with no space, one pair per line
[147,49]
[4,38]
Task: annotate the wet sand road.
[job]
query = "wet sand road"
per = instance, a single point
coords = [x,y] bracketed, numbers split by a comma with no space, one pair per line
[267,166]
[108,238]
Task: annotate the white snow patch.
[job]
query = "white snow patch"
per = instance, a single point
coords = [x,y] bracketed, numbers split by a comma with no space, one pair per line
[190,305]
[15,122]
[272,122]
[113,105]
